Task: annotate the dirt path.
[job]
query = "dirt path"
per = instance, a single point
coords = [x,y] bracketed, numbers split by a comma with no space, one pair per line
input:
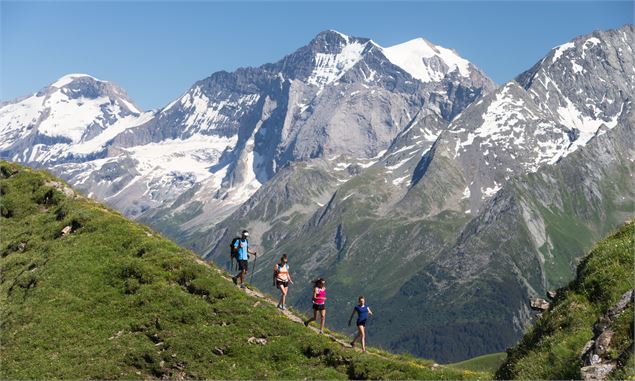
[265,298]
[295,318]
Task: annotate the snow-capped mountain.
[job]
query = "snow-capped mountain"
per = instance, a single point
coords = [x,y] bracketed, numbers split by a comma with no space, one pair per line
[71,119]
[209,150]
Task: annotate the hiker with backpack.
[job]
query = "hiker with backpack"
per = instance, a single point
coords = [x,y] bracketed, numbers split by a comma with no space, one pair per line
[233,254]
[281,280]
[241,246]
[363,311]
[319,299]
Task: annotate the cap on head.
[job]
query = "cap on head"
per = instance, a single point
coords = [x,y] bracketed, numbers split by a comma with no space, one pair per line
[245,233]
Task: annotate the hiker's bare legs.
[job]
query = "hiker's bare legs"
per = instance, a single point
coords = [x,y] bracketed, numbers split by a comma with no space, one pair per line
[358,336]
[283,295]
[362,333]
[314,318]
[322,318]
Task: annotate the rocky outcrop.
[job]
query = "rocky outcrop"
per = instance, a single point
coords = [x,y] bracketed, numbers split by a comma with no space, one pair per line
[594,355]
[539,304]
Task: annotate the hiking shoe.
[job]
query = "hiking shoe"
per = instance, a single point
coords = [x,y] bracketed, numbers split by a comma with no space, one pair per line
[283,307]
[243,286]
[321,332]
[235,280]
[306,323]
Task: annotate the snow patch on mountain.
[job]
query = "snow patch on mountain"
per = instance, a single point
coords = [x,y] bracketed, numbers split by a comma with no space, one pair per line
[398,165]
[251,167]
[65,80]
[466,193]
[205,114]
[330,67]
[490,191]
[17,119]
[512,124]
[561,49]
[71,117]
[400,180]
[425,61]
[499,120]
[99,142]
[193,155]
[587,127]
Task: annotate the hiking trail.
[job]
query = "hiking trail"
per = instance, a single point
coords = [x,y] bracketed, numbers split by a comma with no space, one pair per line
[295,318]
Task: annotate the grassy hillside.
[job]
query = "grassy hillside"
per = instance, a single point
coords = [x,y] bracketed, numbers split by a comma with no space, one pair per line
[111,299]
[486,363]
[552,348]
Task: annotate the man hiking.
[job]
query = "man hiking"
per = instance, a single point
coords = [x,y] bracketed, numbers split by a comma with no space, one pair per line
[243,249]
[281,279]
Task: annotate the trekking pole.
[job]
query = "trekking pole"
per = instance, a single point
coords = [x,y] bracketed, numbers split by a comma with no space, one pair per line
[252,273]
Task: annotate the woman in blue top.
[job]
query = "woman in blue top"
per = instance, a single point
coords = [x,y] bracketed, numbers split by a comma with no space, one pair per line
[363,311]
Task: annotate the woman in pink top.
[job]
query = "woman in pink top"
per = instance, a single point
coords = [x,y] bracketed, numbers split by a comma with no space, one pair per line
[319,298]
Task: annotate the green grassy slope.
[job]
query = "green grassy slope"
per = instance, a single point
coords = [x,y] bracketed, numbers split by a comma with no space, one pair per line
[113,300]
[485,363]
[551,349]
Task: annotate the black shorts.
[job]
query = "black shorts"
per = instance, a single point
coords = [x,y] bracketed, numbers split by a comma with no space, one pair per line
[282,283]
[318,307]
[243,264]
[361,322]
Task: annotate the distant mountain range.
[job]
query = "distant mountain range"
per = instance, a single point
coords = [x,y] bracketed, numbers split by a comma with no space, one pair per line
[403,173]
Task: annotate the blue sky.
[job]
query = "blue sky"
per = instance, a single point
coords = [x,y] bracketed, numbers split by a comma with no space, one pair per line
[157,50]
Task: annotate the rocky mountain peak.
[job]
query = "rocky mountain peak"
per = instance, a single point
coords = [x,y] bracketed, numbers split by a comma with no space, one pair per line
[75,86]
[585,82]
[333,42]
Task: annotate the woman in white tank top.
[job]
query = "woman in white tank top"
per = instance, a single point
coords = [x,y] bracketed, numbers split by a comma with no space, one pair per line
[281,280]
